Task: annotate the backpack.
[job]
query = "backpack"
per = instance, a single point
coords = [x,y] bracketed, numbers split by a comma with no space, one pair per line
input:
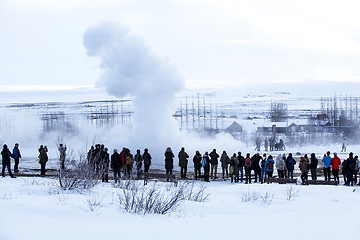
[263,163]
[270,165]
[203,162]
[128,161]
[227,160]
[248,162]
[290,163]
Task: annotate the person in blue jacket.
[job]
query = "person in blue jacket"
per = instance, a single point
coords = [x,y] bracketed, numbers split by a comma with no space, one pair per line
[327,160]
[269,166]
[290,164]
[16,155]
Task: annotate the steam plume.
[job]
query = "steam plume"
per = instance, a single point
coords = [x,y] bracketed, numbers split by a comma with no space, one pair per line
[130,69]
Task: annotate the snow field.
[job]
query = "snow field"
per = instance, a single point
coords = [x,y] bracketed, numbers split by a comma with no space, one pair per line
[36,208]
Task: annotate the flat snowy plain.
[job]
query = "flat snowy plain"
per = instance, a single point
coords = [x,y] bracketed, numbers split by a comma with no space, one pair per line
[36,208]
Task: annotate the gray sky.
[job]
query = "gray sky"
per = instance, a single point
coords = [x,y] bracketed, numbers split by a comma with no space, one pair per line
[213,41]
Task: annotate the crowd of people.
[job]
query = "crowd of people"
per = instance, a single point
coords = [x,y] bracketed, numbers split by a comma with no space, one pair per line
[237,167]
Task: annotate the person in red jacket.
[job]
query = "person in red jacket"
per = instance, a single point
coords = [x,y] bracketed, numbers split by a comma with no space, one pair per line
[335,163]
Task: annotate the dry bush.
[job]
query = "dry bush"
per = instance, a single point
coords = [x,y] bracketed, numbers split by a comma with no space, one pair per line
[155,199]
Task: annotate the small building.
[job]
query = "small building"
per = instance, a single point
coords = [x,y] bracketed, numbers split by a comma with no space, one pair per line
[234,128]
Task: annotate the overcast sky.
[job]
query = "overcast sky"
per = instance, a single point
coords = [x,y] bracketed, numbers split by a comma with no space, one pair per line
[41,41]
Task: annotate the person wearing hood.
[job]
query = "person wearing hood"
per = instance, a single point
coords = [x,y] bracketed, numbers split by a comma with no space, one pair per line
[169,161]
[335,164]
[183,162]
[205,162]
[290,165]
[269,166]
[197,164]
[280,165]
[225,160]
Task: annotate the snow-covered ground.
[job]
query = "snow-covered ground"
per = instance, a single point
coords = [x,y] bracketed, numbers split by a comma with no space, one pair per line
[36,208]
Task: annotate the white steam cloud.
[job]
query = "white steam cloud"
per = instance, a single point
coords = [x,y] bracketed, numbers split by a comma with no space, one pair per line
[130,69]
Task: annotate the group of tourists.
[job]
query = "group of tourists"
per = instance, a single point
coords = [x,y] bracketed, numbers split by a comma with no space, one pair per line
[237,167]
[270,144]
[241,168]
[123,162]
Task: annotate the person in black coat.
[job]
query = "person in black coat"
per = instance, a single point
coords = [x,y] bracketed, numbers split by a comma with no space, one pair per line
[105,165]
[255,165]
[351,164]
[6,154]
[197,164]
[290,165]
[147,160]
[116,165]
[241,167]
[169,160]
[313,166]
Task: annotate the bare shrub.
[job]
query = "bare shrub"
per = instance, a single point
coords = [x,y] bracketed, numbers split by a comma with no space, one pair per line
[255,197]
[291,193]
[155,199]
[197,194]
[94,203]
[61,197]
[82,177]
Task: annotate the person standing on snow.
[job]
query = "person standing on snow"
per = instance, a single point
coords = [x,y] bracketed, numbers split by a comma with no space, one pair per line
[343,148]
[105,161]
[269,167]
[234,162]
[335,164]
[43,159]
[205,162]
[138,161]
[6,155]
[247,165]
[62,151]
[225,160]
[327,160]
[241,167]
[169,161]
[280,165]
[214,163]
[313,166]
[16,155]
[263,168]
[147,160]
[290,165]
[183,162]
[304,168]
[351,169]
[116,165]
[255,165]
[197,164]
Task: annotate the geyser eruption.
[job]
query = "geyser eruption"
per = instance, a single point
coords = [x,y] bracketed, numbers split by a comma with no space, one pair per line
[130,69]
